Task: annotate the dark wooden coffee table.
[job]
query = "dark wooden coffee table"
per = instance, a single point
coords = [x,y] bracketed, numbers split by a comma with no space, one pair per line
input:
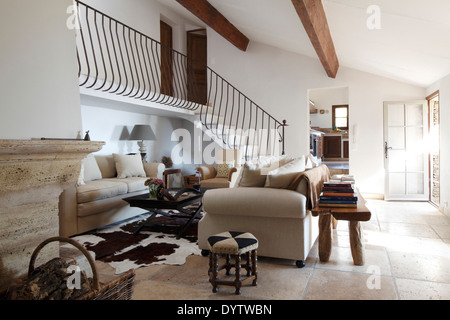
[330,215]
[187,197]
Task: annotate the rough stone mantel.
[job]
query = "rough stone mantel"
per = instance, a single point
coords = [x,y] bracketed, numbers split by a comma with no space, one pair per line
[29,164]
[33,173]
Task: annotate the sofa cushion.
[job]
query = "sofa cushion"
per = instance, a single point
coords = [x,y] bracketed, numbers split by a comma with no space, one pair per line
[107,166]
[215,183]
[254,172]
[133,183]
[253,175]
[129,165]
[283,176]
[91,169]
[100,189]
[262,202]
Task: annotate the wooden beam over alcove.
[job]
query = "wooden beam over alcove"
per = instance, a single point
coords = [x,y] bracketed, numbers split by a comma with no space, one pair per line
[312,15]
[203,10]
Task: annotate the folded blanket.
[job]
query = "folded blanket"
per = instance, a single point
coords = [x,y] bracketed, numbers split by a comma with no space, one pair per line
[314,181]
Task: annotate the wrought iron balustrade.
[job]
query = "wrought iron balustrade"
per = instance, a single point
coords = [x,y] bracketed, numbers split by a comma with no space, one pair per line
[115,58]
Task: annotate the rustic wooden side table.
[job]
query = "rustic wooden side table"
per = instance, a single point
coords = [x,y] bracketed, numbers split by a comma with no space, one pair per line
[190,180]
[330,215]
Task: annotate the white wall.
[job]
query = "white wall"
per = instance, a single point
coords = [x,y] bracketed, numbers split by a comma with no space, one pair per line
[38,79]
[443,86]
[279,81]
[114,127]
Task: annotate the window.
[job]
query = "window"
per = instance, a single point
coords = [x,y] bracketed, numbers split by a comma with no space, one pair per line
[340,117]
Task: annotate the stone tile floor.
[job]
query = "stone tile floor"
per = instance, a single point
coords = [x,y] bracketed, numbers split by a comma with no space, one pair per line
[407,257]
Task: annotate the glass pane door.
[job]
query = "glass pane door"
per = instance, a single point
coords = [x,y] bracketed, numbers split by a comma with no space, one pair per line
[406,164]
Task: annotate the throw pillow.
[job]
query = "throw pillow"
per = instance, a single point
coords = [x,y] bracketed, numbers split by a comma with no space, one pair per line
[254,173]
[129,165]
[107,166]
[308,163]
[314,161]
[223,169]
[91,169]
[283,176]
[80,180]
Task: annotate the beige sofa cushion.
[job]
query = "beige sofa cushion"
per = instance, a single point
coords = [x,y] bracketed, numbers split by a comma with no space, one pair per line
[254,172]
[100,189]
[252,175]
[262,202]
[133,183]
[107,165]
[215,183]
[129,165]
[283,176]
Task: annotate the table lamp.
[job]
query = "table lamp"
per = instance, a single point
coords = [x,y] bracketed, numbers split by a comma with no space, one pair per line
[142,132]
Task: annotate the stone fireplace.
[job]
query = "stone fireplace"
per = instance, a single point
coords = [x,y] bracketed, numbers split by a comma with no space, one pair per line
[33,173]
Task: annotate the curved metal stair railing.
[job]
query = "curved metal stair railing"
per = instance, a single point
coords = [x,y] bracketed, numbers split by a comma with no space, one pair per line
[118,59]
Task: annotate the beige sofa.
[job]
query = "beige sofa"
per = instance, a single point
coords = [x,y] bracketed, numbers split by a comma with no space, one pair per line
[104,181]
[276,209]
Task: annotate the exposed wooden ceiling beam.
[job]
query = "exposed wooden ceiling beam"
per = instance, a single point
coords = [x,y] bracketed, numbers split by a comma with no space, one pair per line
[314,20]
[203,10]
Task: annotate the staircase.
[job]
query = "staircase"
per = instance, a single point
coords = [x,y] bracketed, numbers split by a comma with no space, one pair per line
[119,60]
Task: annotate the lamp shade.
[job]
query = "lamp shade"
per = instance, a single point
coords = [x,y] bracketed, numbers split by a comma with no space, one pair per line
[142,132]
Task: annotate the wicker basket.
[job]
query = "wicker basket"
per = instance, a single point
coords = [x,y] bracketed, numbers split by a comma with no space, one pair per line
[120,288]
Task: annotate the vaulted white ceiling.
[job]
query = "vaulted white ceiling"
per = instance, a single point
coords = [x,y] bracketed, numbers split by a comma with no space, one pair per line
[412,45]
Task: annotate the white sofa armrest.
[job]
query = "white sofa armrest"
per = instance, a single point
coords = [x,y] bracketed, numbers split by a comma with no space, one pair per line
[154,170]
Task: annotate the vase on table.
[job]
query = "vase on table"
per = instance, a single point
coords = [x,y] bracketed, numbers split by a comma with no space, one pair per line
[153,192]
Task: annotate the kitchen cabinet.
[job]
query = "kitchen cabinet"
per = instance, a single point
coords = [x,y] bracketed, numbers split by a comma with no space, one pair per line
[336,146]
[332,146]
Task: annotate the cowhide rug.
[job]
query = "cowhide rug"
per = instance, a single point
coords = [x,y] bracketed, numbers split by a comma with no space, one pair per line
[121,249]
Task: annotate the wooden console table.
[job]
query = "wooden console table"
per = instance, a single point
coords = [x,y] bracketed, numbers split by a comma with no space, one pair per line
[354,216]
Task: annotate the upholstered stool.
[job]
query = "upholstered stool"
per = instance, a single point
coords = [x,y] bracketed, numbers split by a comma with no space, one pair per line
[233,244]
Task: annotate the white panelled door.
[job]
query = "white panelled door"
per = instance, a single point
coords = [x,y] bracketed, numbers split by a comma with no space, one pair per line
[405,150]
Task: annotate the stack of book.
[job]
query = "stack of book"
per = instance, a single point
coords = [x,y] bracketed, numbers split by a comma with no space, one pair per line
[338,194]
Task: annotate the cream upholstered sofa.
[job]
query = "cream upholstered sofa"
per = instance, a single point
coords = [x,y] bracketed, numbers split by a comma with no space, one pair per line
[272,204]
[104,181]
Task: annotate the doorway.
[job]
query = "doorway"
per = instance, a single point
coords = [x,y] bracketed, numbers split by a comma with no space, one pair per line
[166,59]
[330,127]
[405,151]
[197,66]
[434,154]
